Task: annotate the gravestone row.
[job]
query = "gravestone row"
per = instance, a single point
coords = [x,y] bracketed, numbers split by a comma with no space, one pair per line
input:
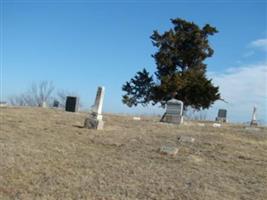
[173,114]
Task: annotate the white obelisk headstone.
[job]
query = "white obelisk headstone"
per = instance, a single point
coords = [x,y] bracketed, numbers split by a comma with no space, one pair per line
[95,120]
[97,108]
[254,120]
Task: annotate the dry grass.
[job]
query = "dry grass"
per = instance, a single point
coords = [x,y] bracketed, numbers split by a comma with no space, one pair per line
[45,154]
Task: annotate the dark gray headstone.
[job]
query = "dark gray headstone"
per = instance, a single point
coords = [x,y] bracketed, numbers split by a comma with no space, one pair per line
[222,115]
[56,104]
[72,104]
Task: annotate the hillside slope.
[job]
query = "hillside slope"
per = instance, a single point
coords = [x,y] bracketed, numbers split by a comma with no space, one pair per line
[46,154]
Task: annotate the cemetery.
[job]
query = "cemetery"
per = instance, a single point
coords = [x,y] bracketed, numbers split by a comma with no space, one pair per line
[73,155]
[140,111]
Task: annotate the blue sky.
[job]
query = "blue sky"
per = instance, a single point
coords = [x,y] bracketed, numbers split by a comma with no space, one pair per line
[80,45]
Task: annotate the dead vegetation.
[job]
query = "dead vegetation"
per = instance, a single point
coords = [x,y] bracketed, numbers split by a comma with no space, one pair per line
[46,154]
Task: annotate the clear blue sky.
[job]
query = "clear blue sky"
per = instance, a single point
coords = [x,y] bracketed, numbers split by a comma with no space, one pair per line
[80,45]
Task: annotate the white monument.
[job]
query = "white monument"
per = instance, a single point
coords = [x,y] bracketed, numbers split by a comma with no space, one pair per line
[253,120]
[42,104]
[3,104]
[95,119]
[174,112]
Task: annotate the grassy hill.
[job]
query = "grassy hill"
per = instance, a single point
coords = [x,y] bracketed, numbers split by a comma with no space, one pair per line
[46,154]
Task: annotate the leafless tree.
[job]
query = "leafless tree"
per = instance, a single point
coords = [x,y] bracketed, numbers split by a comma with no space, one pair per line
[193,114]
[17,100]
[38,95]
[41,93]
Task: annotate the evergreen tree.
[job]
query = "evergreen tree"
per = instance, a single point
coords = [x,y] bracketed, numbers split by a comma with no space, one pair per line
[181,71]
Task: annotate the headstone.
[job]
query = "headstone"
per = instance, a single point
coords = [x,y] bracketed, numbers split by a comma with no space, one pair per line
[95,119]
[42,104]
[201,124]
[216,125]
[186,139]
[97,108]
[3,104]
[252,129]
[56,104]
[254,120]
[174,112]
[222,115]
[168,150]
[137,118]
[72,104]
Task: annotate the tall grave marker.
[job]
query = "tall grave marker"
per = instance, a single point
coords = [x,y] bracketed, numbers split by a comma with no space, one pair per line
[95,119]
[254,120]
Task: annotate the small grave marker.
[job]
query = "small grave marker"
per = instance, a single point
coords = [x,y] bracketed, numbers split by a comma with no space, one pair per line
[136,118]
[56,104]
[186,139]
[216,125]
[42,104]
[201,124]
[168,150]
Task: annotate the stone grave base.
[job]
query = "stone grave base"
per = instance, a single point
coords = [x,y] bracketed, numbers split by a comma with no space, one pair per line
[253,123]
[185,139]
[171,118]
[168,150]
[92,122]
[221,119]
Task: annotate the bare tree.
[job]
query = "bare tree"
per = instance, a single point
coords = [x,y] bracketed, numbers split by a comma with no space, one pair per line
[41,93]
[17,100]
[194,114]
[38,95]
